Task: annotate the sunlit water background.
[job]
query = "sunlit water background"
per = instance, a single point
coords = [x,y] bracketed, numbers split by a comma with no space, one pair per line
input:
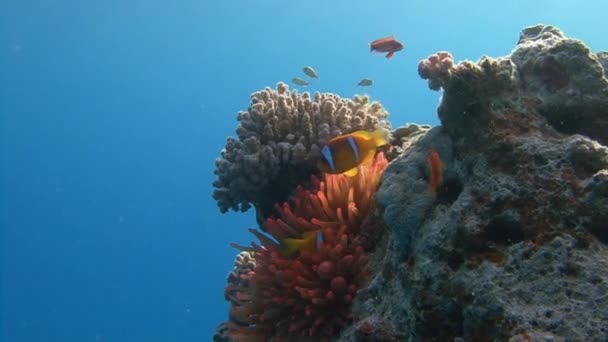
[113,112]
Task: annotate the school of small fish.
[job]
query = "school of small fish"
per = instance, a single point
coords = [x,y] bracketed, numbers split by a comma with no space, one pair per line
[388,44]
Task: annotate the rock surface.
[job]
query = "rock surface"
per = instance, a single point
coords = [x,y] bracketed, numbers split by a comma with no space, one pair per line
[514,243]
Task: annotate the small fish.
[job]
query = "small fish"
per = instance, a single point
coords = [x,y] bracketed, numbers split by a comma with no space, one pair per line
[436,168]
[366,82]
[310,72]
[299,81]
[309,242]
[344,153]
[387,44]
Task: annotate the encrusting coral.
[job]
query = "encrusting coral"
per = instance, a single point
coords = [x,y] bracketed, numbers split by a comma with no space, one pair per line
[278,143]
[306,295]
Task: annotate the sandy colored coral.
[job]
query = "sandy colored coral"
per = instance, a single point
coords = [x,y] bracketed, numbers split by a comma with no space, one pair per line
[436,69]
[278,142]
[308,296]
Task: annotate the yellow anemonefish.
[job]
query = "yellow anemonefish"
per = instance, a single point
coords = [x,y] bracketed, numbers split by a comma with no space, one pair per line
[310,241]
[344,153]
[436,168]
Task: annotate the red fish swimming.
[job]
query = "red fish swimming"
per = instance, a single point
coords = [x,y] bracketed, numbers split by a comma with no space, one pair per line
[387,44]
[436,170]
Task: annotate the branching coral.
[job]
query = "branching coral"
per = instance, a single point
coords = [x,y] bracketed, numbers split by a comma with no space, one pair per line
[308,294]
[278,142]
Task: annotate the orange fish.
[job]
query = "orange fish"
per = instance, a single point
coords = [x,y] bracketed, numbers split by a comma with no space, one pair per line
[344,153]
[436,170]
[387,44]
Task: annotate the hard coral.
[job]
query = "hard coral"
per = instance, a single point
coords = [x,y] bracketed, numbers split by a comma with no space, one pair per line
[278,142]
[554,75]
[436,69]
[308,295]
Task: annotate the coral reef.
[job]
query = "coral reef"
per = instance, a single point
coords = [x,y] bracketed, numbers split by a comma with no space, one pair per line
[278,142]
[548,73]
[514,244]
[307,295]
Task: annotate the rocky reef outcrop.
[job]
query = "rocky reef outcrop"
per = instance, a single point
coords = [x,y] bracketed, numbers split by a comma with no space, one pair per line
[514,244]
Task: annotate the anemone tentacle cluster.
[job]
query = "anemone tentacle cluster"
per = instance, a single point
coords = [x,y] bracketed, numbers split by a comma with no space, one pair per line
[307,294]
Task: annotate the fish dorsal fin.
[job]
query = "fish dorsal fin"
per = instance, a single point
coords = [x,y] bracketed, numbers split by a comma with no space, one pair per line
[362,134]
[377,136]
[352,172]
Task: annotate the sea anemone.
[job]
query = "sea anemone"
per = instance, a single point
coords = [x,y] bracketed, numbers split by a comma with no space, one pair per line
[308,294]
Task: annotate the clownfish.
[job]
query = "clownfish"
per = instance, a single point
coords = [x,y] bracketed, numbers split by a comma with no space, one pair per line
[344,153]
[436,167]
[309,242]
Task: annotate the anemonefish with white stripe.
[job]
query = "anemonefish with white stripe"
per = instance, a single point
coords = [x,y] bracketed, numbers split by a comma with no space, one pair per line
[309,242]
[344,153]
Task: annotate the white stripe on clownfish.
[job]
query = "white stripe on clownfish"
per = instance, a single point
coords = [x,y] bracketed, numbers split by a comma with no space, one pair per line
[355,148]
[328,156]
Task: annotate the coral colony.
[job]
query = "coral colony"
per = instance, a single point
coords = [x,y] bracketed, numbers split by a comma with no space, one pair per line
[491,226]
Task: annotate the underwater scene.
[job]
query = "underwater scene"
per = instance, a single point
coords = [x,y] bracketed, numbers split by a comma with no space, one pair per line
[364,171]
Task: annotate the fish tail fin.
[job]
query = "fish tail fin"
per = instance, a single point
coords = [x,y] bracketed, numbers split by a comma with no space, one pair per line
[379,138]
[308,242]
[241,248]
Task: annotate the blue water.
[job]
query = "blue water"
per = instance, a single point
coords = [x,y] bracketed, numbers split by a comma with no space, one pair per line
[113,112]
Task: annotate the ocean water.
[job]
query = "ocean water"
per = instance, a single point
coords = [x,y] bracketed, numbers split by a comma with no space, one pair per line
[113,112]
